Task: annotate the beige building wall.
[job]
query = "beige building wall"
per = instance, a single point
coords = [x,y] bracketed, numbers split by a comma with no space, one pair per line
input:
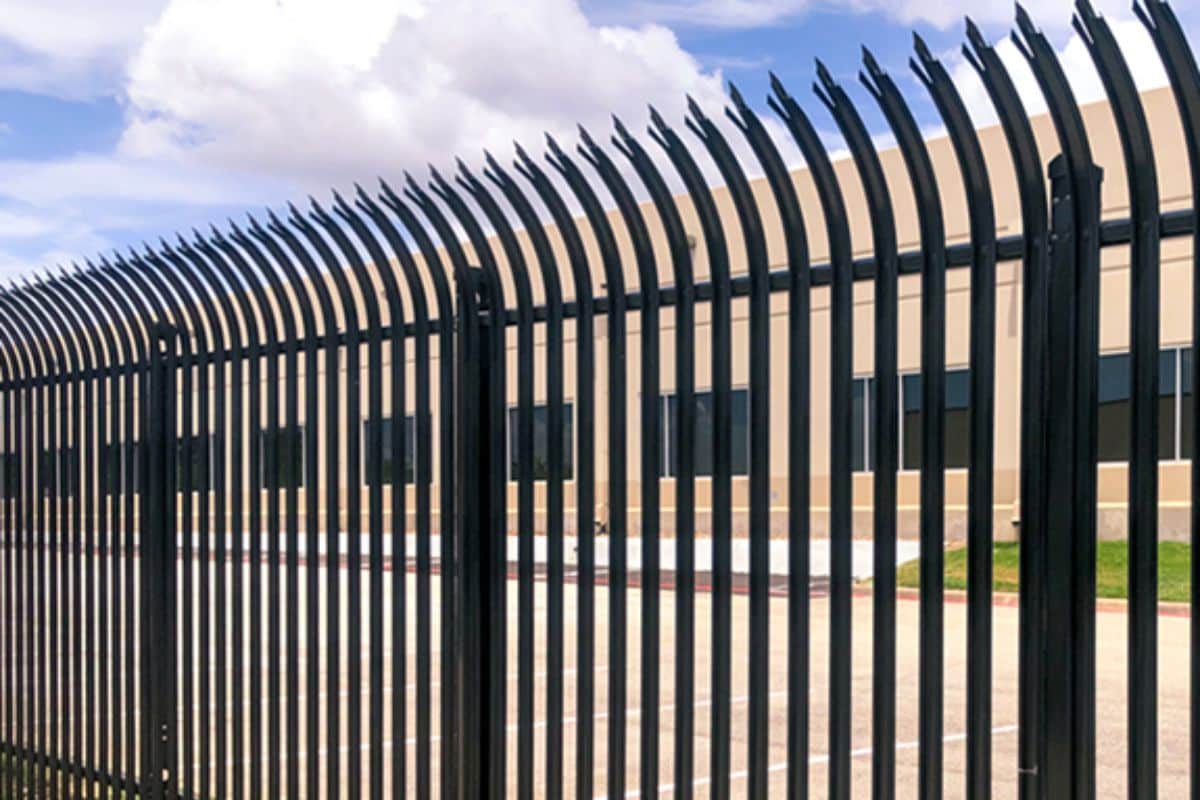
[1175,332]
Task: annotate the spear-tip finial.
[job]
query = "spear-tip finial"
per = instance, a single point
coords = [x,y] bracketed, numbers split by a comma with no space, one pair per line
[777,85]
[871,64]
[824,76]
[1024,21]
[735,95]
[521,154]
[974,34]
[620,128]
[586,137]
[922,48]
[656,119]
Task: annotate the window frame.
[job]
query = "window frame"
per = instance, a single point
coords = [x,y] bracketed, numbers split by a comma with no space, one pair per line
[869,447]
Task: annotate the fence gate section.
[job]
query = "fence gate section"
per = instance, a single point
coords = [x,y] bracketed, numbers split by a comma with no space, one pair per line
[411,493]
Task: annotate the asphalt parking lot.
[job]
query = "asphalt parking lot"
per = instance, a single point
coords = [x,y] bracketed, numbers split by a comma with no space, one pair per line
[1111,689]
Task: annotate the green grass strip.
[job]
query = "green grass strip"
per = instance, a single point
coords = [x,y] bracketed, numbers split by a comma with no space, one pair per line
[1112,569]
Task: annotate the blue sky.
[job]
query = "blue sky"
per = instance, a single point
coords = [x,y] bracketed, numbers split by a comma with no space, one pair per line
[124,121]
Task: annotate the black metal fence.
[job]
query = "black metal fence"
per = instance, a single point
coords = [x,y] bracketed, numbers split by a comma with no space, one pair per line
[256,483]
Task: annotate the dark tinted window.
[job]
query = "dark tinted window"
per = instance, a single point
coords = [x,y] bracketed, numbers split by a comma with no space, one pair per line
[193,466]
[289,453]
[957,420]
[541,443]
[705,427]
[388,467]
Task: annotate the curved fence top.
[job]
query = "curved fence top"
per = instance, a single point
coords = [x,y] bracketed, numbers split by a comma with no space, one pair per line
[382,264]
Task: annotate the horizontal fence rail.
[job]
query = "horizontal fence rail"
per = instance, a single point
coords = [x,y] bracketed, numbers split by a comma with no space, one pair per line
[412,493]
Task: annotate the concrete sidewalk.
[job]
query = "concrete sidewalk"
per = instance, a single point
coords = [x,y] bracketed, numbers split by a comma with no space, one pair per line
[862,552]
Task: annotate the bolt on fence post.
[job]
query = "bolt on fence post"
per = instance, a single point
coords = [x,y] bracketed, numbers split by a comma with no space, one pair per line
[474,551]
[157,569]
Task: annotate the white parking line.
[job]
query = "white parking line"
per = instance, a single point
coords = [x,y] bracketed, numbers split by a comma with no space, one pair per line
[538,724]
[819,758]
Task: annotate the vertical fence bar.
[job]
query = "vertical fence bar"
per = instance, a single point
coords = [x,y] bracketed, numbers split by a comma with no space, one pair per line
[222,396]
[722,496]
[184,474]
[754,244]
[799,432]
[448,447]
[312,555]
[245,431]
[1034,225]
[21,780]
[10,486]
[837,231]
[34,685]
[883,396]
[46,783]
[78,719]
[331,422]
[1145,281]
[614,326]
[47,547]
[108,487]
[252,485]
[25,607]
[374,336]
[423,428]
[1060,356]
[973,168]
[157,571]
[399,480]
[7,682]
[156,272]
[1180,64]
[497,557]
[353,505]
[142,741]
[24,569]
[1082,234]
[651,443]
[149,313]
[120,421]
[556,468]
[519,275]
[933,433]
[585,464]
[279,302]
[682,463]
[614,281]
[473,511]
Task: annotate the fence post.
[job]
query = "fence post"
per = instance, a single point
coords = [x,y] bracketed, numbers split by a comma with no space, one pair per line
[157,572]
[475,551]
[1068,580]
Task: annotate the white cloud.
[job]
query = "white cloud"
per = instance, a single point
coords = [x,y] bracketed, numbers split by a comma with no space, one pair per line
[33,239]
[244,102]
[58,210]
[761,13]
[321,92]
[92,178]
[70,47]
